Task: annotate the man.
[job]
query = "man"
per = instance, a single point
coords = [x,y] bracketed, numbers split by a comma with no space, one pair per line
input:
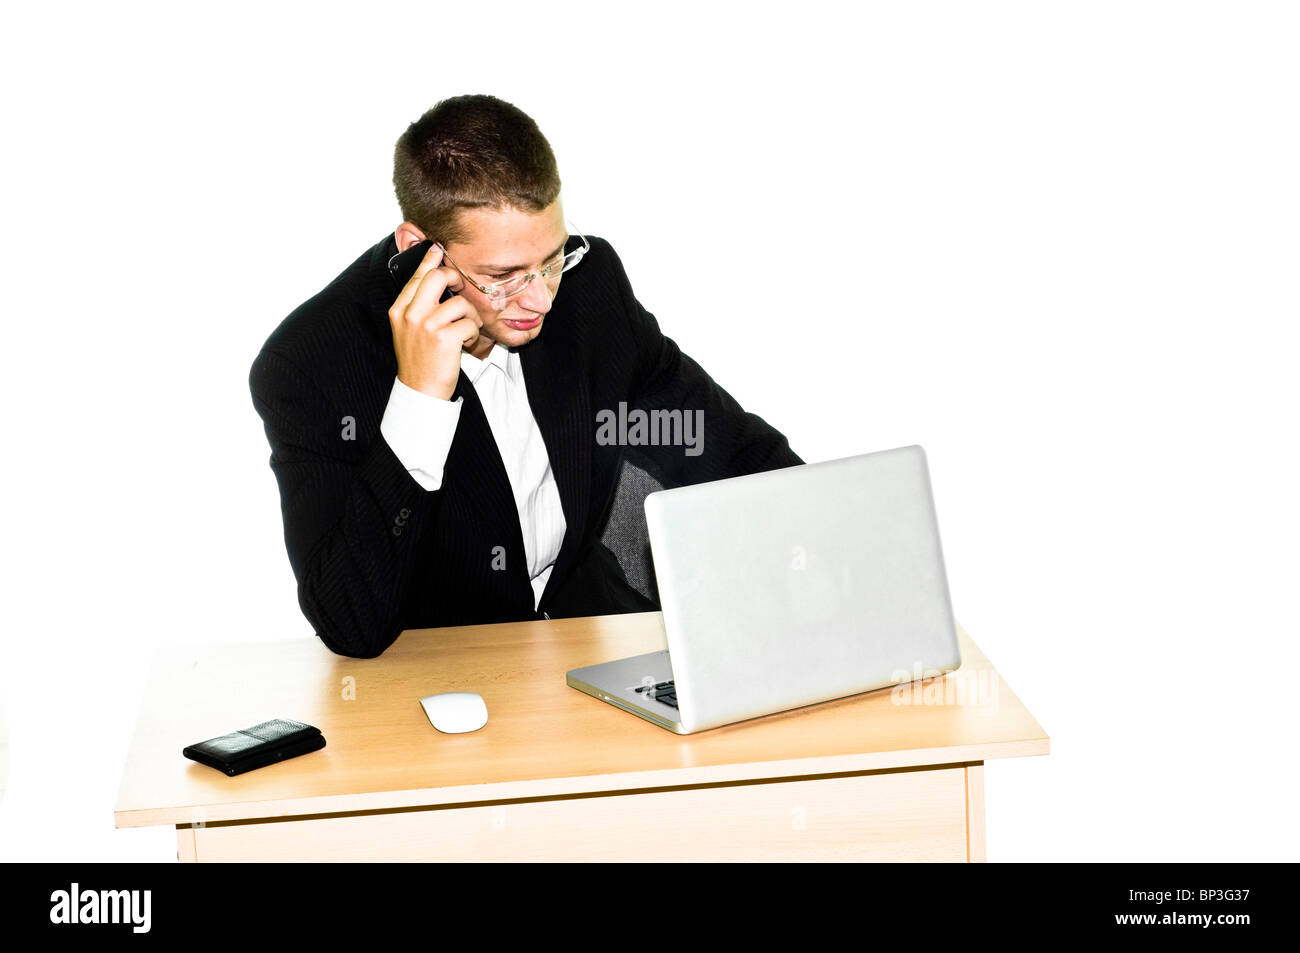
[443,450]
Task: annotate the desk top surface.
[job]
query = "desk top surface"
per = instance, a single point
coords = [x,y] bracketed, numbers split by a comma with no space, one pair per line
[542,739]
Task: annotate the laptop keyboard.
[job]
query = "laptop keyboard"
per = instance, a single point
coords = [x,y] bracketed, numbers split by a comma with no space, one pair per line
[665,692]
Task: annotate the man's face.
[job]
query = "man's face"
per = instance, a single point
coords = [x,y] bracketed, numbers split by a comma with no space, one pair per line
[500,243]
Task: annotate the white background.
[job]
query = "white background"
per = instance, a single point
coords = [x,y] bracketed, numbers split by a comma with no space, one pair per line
[1055,244]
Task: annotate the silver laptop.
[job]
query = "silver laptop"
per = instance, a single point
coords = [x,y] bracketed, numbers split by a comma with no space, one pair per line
[788,588]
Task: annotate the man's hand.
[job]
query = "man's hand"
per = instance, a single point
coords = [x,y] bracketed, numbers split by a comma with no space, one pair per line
[428,336]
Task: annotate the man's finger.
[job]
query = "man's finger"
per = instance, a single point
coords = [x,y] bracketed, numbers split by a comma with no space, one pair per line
[450,311]
[429,294]
[431,260]
[464,330]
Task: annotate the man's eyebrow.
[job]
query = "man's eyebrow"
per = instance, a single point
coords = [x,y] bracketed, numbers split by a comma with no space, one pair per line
[502,269]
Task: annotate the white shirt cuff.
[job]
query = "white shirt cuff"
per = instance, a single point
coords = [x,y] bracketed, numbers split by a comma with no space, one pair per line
[419,430]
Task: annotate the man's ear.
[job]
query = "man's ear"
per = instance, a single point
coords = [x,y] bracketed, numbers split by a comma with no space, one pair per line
[407,235]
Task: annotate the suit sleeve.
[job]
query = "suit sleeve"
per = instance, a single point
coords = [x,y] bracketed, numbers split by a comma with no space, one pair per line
[730,441]
[352,518]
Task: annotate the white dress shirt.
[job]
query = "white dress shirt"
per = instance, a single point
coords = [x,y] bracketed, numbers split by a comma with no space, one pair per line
[420,428]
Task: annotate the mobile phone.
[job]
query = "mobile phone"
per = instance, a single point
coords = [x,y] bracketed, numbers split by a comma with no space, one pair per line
[402,266]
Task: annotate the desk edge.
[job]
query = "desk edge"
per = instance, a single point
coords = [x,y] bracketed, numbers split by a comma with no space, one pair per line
[589,785]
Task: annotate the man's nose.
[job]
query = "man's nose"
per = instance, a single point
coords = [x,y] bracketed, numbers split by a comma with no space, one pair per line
[536,297]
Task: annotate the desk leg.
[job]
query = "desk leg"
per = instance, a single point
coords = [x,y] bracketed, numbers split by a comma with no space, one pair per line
[186,851]
[975,844]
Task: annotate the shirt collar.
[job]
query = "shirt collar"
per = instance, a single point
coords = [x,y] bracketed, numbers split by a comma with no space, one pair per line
[502,358]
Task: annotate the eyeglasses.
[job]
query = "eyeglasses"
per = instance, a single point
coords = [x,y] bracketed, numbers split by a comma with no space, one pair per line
[515,284]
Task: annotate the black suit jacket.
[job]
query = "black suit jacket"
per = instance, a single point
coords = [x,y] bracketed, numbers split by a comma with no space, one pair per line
[374,553]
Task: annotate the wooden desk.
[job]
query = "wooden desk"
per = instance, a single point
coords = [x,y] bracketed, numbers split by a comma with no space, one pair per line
[557,774]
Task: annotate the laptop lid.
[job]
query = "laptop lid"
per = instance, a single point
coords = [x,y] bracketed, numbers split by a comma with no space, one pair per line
[791,587]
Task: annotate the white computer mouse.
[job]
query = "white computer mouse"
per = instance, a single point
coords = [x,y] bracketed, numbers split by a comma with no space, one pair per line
[455,712]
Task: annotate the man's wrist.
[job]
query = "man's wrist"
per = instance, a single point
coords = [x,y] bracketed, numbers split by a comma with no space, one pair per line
[428,388]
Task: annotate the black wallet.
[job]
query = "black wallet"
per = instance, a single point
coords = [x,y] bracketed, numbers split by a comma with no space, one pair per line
[256,747]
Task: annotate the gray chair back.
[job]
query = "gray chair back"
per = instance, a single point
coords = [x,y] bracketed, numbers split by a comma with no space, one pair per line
[625,531]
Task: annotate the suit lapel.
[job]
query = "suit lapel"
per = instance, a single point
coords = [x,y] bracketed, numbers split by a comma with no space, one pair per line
[562,409]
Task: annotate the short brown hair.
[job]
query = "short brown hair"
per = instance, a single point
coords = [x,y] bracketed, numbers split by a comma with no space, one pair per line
[471,152]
